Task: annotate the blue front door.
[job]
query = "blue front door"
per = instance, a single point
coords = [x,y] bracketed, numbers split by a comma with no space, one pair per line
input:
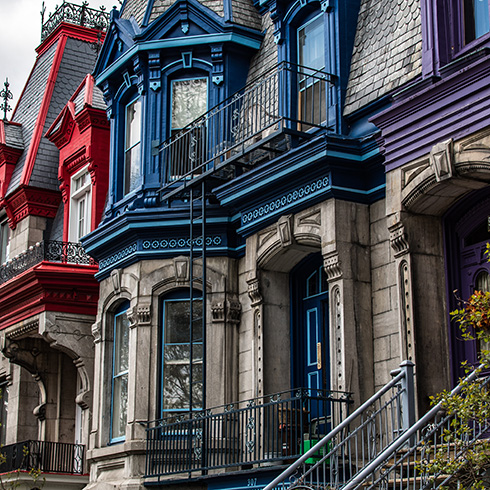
[310,353]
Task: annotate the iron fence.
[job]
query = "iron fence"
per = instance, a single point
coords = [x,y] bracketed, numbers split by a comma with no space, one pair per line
[239,127]
[50,251]
[266,431]
[48,457]
[80,15]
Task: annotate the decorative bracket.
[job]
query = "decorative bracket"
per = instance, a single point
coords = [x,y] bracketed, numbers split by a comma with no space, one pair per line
[398,239]
[331,264]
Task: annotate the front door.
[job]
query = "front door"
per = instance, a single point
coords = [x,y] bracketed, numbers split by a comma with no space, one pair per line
[310,354]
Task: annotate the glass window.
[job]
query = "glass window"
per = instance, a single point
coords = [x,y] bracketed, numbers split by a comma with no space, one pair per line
[4,401]
[189,102]
[476,19]
[132,147]
[311,58]
[120,375]
[4,241]
[80,205]
[182,355]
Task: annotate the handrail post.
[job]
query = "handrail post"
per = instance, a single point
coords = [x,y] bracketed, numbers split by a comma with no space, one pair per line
[408,397]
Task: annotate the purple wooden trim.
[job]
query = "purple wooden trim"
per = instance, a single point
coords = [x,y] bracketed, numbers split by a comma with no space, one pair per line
[429,36]
[451,108]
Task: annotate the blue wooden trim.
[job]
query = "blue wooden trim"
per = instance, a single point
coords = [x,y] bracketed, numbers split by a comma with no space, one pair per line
[177,42]
[149,8]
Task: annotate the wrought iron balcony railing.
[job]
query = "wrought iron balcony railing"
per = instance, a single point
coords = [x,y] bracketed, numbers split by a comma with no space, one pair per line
[264,431]
[50,251]
[246,127]
[75,14]
[48,457]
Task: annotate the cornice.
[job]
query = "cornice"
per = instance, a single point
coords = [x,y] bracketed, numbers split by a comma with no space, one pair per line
[31,201]
[67,288]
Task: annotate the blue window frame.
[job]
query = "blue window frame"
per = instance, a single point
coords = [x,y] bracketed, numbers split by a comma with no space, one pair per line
[132,146]
[182,354]
[312,88]
[120,369]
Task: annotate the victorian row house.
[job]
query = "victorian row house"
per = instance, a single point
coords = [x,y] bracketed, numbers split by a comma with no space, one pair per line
[296,188]
[53,181]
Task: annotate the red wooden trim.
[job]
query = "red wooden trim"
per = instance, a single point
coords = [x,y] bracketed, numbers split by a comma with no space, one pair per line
[71,30]
[43,111]
[48,286]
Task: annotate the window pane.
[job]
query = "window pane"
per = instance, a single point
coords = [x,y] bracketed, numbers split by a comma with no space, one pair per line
[311,44]
[482,282]
[476,19]
[181,374]
[121,344]
[189,101]
[4,240]
[119,406]
[4,398]
[133,124]
[132,163]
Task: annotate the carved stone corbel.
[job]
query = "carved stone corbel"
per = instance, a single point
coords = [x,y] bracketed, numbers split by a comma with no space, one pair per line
[254,291]
[331,264]
[398,239]
[226,311]
[97,332]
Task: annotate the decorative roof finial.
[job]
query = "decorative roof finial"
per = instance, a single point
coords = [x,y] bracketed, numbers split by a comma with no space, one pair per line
[5,94]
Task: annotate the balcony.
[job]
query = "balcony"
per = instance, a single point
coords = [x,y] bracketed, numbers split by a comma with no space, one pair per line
[267,431]
[254,125]
[49,251]
[47,457]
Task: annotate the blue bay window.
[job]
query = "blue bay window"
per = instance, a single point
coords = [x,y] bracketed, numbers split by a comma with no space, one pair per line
[120,369]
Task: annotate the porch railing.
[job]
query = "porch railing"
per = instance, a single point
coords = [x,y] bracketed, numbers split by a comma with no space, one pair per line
[358,440]
[267,431]
[49,457]
[50,251]
[408,459]
[242,128]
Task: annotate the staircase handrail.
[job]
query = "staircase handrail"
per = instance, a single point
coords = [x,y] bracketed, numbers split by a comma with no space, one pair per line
[397,374]
[403,438]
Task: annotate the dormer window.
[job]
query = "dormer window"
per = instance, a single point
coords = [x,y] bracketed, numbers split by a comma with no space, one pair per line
[311,58]
[80,205]
[132,147]
[189,101]
[476,19]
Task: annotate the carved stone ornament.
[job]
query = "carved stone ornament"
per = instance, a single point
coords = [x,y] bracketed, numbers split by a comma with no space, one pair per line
[228,311]
[398,239]
[285,230]
[116,279]
[139,316]
[97,332]
[181,266]
[331,263]
[254,291]
[441,160]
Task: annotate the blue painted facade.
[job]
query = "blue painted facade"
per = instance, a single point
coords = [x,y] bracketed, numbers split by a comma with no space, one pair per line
[189,40]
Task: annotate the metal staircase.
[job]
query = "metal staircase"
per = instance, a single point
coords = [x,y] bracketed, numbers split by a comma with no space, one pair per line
[380,446]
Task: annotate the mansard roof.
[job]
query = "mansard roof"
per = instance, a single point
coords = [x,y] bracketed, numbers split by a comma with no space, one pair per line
[184,23]
[387,50]
[241,12]
[60,66]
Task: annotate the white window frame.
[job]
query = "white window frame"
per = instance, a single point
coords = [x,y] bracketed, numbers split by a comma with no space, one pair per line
[80,197]
[4,240]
